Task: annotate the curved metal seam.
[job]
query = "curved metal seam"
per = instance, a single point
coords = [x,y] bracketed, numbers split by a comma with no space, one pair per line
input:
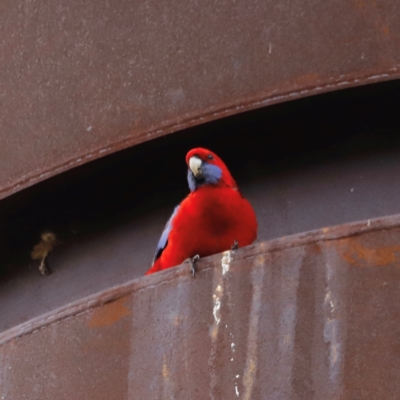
[137,285]
[170,126]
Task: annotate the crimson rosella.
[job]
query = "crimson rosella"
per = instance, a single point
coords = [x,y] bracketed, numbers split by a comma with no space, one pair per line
[212,218]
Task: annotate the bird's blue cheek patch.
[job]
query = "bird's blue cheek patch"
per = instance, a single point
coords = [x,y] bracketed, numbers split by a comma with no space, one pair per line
[211,173]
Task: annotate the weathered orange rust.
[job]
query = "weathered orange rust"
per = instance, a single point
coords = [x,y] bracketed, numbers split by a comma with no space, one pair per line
[355,253]
[109,314]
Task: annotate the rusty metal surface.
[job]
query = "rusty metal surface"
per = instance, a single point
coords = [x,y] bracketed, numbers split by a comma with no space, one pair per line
[84,79]
[309,316]
[109,217]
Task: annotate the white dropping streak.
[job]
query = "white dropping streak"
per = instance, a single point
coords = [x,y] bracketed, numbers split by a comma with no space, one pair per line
[217,307]
[226,261]
[236,390]
[332,327]
[217,304]
[331,336]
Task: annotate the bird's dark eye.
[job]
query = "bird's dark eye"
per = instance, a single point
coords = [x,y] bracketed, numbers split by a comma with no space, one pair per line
[210,157]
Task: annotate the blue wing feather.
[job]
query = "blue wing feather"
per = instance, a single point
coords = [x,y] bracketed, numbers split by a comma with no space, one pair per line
[162,243]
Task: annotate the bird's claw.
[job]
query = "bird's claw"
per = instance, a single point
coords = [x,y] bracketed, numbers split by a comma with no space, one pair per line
[191,262]
[43,269]
[235,245]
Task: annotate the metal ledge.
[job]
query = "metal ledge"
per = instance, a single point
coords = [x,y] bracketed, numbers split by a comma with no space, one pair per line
[314,315]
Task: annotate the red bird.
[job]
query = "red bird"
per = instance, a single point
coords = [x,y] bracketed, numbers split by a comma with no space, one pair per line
[212,218]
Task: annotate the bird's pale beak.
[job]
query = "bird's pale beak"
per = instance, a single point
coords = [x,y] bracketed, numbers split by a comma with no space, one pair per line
[195,166]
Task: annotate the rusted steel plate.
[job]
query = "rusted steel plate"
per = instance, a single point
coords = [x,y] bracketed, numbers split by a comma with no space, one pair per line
[117,232]
[309,316]
[83,79]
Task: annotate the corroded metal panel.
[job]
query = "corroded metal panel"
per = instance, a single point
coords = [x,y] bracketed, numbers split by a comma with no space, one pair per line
[117,233]
[80,80]
[308,316]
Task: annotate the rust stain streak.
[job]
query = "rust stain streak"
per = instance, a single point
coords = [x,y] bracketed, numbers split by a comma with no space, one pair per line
[109,314]
[168,386]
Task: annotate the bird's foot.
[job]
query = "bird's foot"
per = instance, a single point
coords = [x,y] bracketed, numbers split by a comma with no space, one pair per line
[192,263]
[235,245]
[43,269]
